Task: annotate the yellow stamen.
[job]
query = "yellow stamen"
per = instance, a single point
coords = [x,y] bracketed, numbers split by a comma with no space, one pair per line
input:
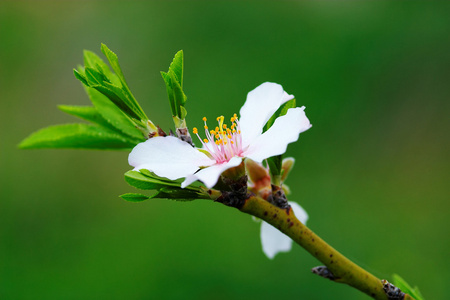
[204,119]
[212,132]
[194,130]
[206,127]
[205,140]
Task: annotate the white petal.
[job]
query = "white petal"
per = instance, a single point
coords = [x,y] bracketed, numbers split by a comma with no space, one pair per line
[284,131]
[168,157]
[260,105]
[210,175]
[274,241]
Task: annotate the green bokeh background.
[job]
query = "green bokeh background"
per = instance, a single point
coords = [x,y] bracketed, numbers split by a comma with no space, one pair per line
[373,172]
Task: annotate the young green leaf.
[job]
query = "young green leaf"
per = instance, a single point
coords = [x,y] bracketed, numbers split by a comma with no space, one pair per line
[168,82]
[179,96]
[134,197]
[116,100]
[94,77]
[274,163]
[142,182]
[113,115]
[280,112]
[174,86]
[81,77]
[88,113]
[93,61]
[114,62]
[79,136]
[177,67]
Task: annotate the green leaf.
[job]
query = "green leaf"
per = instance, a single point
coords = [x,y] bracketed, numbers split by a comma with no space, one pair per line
[80,136]
[88,113]
[174,86]
[168,82]
[280,112]
[80,77]
[113,115]
[179,98]
[94,77]
[142,182]
[406,288]
[177,67]
[114,62]
[116,99]
[134,197]
[93,61]
[275,163]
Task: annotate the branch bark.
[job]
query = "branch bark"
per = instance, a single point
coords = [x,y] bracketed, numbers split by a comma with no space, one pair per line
[342,269]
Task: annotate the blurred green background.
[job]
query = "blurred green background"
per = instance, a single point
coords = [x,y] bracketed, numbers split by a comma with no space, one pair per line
[373,172]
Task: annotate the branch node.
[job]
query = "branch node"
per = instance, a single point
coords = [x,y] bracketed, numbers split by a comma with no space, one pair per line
[238,192]
[391,291]
[278,198]
[324,272]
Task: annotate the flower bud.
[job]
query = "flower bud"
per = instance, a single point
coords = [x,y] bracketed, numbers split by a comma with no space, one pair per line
[286,167]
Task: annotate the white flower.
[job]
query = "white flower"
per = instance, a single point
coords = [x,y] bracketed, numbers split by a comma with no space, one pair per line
[274,241]
[225,147]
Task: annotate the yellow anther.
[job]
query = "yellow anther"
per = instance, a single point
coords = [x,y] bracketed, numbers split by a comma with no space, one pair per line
[216,129]
[239,132]
[225,142]
[194,130]
[206,127]
[212,132]
[224,126]
[232,142]
[229,136]
[204,119]
[217,136]
[235,116]
[217,142]
[233,125]
[234,131]
[205,140]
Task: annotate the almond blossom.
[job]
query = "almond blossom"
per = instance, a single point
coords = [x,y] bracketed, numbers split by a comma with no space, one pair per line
[225,147]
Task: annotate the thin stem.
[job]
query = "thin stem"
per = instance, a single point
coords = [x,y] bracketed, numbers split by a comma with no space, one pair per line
[343,270]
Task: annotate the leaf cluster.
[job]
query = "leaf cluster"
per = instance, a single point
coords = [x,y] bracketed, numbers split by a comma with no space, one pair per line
[116,121]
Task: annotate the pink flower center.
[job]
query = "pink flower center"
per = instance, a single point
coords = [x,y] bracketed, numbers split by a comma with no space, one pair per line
[222,143]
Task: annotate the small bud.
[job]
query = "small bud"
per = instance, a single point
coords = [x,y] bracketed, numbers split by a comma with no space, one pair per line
[286,167]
